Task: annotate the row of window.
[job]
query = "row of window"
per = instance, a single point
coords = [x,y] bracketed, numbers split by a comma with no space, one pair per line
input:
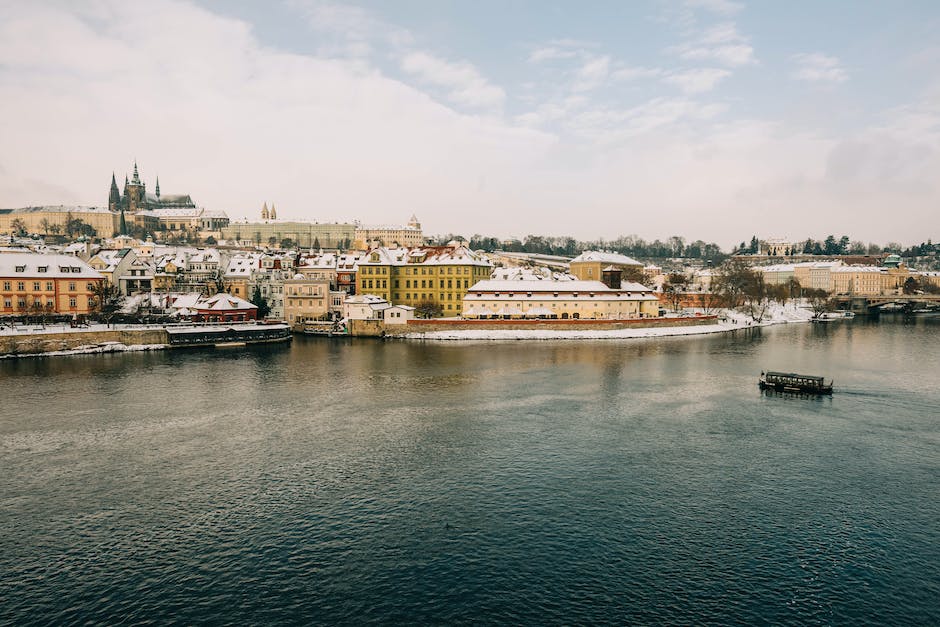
[425,270]
[50,303]
[430,283]
[38,286]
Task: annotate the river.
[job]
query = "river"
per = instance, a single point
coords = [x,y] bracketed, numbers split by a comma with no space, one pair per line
[344,482]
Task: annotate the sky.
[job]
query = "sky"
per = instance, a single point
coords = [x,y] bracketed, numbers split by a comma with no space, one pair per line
[708,119]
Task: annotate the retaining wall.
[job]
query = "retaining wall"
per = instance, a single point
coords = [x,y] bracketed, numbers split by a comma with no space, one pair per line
[449,324]
[33,343]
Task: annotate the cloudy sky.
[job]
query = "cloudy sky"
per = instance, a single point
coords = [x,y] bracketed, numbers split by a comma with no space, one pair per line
[710,119]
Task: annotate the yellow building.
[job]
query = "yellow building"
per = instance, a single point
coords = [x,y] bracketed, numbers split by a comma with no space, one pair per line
[589,265]
[369,237]
[60,284]
[437,274]
[305,299]
[54,220]
[585,300]
[857,280]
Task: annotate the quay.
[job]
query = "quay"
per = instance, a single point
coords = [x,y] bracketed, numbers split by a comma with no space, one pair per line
[39,339]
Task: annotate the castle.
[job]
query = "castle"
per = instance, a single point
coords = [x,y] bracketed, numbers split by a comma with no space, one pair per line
[135,197]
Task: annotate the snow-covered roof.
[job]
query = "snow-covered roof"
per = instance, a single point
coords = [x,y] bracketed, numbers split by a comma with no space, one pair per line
[490,285]
[431,255]
[871,269]
[606,257]
[58,209]
[36,265]
[224,302]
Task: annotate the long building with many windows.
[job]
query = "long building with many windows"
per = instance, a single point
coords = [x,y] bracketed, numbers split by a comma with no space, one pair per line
[32,283]
[440,275]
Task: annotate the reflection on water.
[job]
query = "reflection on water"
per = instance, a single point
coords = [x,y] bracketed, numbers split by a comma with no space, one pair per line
[341,481]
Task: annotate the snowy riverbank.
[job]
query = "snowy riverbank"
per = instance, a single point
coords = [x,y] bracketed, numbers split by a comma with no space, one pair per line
[729,321]
[92,349]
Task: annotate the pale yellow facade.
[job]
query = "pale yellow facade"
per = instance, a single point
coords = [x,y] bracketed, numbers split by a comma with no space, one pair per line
[584,300]
[305,299]
[52,220]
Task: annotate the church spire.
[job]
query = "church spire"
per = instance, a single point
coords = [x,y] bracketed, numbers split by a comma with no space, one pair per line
[264,212]
[273,212]
[114,198]
[157,189]
[136,175]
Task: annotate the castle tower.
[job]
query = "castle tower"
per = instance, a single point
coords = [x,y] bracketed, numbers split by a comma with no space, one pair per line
[135,193]
[264,212]
[273,212]
[413,222]
[157,189]
[114,198]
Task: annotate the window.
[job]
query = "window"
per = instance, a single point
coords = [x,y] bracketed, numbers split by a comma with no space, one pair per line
[43,268]
[6,286]
[21,268]
[48,286]
[72,303]
[7,303]
[71,286]
[35,286]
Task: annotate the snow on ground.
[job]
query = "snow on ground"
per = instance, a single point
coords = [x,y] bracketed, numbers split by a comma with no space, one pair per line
[729,320]
[106,347]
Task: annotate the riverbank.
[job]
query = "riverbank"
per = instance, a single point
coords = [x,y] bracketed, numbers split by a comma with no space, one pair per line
[727,320]
[55,340]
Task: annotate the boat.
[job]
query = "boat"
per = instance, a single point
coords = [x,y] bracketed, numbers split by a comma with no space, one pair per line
[793,382]
[832,316]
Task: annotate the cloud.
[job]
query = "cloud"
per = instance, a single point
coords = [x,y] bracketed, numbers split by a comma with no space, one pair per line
[352,31]
[465,85]
[697,81]
[233,122]
[818,67]
[721,7]
[721,43]
[592,73]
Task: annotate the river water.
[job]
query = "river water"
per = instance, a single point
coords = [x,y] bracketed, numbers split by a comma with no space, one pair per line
[343,482]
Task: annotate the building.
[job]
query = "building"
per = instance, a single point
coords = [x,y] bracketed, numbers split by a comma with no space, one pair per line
[364,307]
[219,307]
[779,247]
[135,197]
[589,265]
[271,231]
[69,220]
[59,284]
[592,300]
[439,275]
[398,314]
[369,237]
[306,299]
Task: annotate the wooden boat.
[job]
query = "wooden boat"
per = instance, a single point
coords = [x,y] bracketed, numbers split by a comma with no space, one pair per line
[793,382]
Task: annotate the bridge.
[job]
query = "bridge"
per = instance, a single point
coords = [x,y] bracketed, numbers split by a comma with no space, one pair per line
[874,304]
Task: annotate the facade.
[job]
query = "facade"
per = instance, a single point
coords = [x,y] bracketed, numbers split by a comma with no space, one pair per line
[563,300]
[398,314]
[778,247]
[59,284]
[589,265]
[271,231]
[408,236]
[305,299]
[54,220]
[364,307]
[135,197]
[410,276]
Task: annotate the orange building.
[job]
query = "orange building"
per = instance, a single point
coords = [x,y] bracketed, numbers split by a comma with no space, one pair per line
[32,283]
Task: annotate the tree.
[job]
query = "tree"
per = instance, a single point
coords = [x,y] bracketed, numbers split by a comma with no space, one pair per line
[316,243]
[818,300]
[731,280]
[428,309]
[44,224]
[260,302]
[287,243]
[757,294]
[107,299]
[18,227]
[755,245]
[210,241]
[911,285]
[675,286]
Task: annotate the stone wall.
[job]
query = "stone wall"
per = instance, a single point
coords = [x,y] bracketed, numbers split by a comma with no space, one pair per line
[370,328]
[34,343]
[447,324]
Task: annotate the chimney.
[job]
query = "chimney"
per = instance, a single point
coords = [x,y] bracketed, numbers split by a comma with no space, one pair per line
[612,277]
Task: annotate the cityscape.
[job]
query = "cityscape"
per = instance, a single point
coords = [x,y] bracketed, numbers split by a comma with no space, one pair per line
[422,313]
